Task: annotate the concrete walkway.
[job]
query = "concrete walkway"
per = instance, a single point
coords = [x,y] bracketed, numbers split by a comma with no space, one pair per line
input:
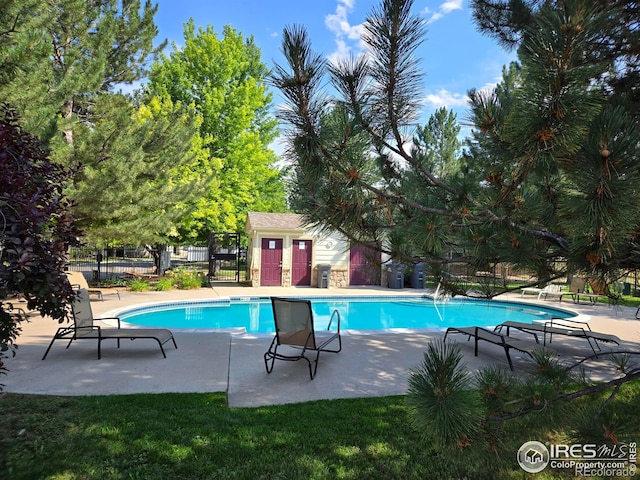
[375,364]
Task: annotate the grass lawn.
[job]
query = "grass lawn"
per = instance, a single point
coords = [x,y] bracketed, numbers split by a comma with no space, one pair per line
[196,436]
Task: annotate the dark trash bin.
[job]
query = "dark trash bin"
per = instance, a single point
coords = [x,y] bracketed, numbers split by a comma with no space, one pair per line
[626,288]
[324,275]
[395,275]
[418,275]
[165,261]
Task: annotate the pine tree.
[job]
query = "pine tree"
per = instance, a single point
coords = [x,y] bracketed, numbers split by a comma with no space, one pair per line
[564,137]
[132,187]
[551,170]
[91,47]
[64,60]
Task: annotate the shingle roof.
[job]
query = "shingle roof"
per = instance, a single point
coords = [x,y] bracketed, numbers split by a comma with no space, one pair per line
[274,221]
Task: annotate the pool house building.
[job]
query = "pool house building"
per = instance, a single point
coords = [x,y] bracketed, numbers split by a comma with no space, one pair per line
[284,251]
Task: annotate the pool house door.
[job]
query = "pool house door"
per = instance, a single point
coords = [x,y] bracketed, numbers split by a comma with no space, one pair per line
[301,263]
[364,266]
[271,262]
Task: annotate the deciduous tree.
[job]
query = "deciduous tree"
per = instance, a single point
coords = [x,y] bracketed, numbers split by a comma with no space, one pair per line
[223,80]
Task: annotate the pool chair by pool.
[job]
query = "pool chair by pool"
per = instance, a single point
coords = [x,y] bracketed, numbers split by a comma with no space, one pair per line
[564,326]
[577,290]
[551,288]
[504,341]
[295,332]
[77,280]
[85,327]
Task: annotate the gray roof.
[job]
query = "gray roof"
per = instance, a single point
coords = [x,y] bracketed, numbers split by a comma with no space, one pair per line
[274,221]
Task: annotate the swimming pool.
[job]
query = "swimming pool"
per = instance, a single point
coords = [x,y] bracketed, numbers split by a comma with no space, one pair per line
[254,315]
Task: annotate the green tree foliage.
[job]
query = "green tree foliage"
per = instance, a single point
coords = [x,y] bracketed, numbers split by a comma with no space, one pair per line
[551,170]
[21,38]
[65,59]
[445,407]
[223,80]
[135,169]
[354,153]
[437,144]
[36,227]
[91,47]
[562,139]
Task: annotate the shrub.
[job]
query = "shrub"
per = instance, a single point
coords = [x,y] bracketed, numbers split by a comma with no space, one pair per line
[440,398]
[114,281]
[138,285]
[36,226]
[187,280]
[164,284]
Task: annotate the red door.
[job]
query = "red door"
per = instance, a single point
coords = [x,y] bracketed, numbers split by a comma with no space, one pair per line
[301,263]
[271,262]
[364,266]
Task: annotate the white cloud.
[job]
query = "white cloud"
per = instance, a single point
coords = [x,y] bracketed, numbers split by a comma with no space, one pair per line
[450,6]
[339,24]
[444,8]
[445,98]
[489,86]
[347,36]
[342,51]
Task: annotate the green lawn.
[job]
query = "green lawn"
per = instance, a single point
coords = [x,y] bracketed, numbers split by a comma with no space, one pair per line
[196,436]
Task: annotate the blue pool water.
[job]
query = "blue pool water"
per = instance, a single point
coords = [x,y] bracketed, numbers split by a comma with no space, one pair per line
[357,313]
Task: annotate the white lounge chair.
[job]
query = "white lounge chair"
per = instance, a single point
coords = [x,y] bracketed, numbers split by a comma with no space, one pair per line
[551,288]
[577,290]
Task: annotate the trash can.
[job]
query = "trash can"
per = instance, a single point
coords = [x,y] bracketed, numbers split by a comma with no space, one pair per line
[324,275]
[395,275]
[165,261]
[626,288]
[418,275]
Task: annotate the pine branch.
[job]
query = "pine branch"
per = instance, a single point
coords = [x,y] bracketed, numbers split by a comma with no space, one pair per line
[615,383]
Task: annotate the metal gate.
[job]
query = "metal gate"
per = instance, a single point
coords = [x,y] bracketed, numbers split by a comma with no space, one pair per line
[226,258]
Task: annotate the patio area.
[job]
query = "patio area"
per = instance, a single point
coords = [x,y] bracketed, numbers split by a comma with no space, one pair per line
[375,364]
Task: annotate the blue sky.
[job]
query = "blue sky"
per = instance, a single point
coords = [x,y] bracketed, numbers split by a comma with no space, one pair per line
[454,56]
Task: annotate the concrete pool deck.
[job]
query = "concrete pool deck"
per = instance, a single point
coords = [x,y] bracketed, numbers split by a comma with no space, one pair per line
[371,364]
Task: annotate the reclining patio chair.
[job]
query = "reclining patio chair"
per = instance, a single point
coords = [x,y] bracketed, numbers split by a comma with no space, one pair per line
[84,327]
[582,289]
[563,326]
[504,341]
[77,280]
[577,290]
[294,328]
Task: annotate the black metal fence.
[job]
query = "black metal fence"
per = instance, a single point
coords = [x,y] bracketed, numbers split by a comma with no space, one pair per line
[224,261]
[117,263]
